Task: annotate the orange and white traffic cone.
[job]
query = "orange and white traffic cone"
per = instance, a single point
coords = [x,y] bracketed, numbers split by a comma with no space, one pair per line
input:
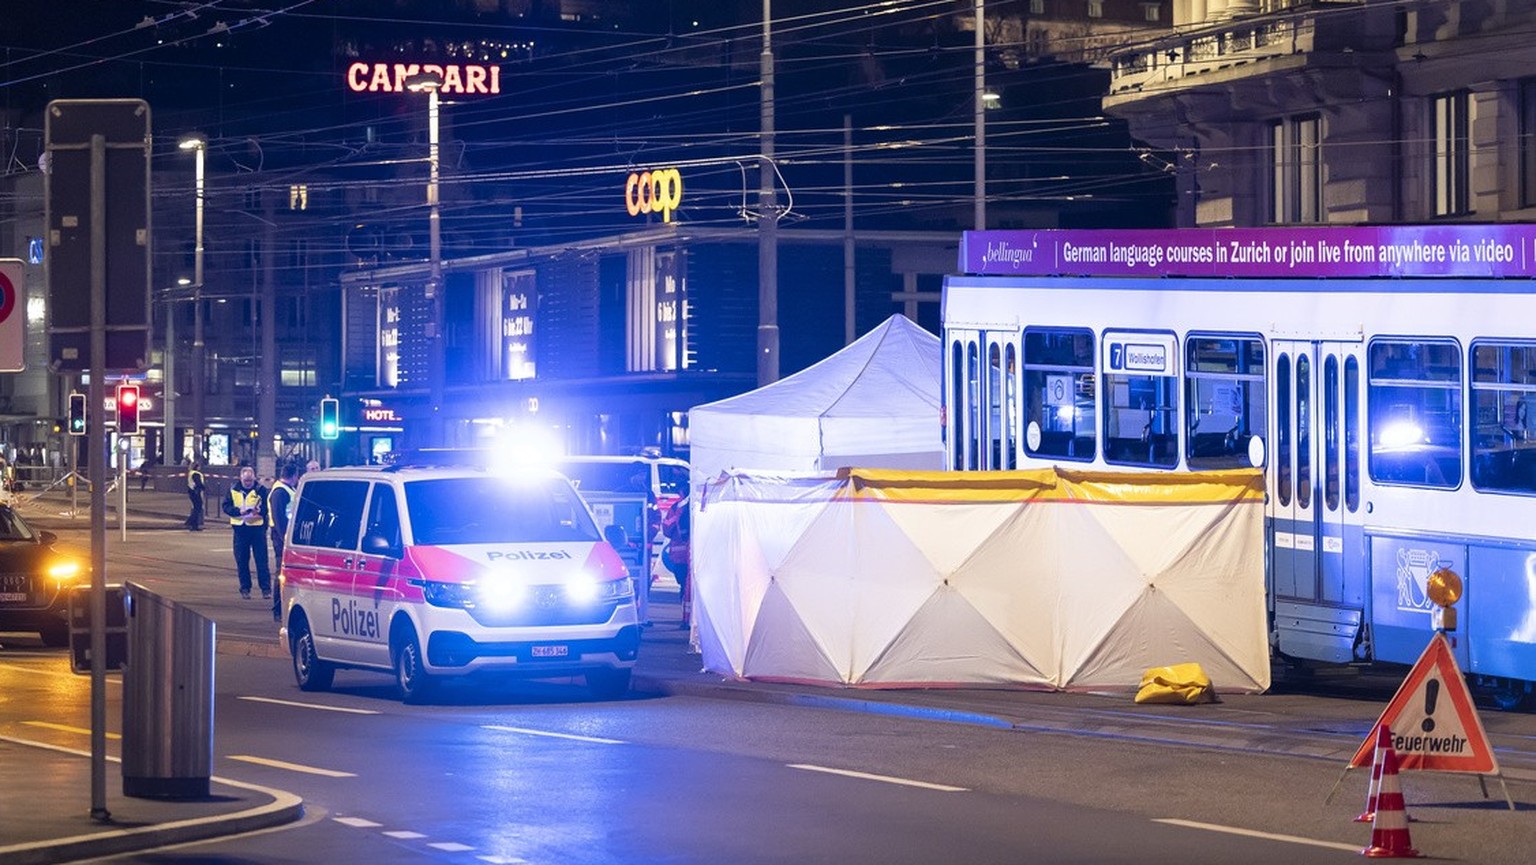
[1383,743]
[1389,832]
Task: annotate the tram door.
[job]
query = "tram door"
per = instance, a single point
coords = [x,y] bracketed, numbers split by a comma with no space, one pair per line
[1313,497]
[982,378]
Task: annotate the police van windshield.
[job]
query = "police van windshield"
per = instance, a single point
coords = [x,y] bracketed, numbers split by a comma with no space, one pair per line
[496,510]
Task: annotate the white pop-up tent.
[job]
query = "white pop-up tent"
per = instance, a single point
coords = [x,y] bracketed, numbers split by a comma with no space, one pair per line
[1045,579]
[875,403]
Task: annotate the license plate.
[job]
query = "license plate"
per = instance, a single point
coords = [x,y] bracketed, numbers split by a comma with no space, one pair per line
[551,651]
[13,596]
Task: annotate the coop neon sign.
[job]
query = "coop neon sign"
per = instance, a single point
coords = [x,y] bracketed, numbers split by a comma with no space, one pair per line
[659,191]
[459,79]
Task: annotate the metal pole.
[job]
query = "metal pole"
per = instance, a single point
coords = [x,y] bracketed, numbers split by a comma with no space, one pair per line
[981,116]
[168,449]
[437,375]
[850,269]
[767,222]
[124,451]
[97,436]
[199,364]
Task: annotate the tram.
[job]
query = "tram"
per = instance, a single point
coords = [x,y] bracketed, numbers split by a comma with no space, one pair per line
[1386,393]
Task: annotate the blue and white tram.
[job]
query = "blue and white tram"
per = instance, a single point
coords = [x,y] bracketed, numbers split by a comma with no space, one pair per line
[1392,418]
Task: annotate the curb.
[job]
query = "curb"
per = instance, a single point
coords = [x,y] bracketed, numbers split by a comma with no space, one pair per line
[284,808]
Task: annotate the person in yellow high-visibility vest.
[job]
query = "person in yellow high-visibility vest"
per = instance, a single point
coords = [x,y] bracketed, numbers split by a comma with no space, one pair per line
[246,507]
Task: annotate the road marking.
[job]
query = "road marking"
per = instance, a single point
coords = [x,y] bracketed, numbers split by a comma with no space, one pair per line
[357,822]
[319,706]
[112,679]
[525,731]
[450,846]
[84,731]
[404,835]
[501,860]
[906,782]
[1268,836]
[292,767]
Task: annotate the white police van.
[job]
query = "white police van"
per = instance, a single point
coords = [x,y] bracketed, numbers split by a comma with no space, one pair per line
[432,572]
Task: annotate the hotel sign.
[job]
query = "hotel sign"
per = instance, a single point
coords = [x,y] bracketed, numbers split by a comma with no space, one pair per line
[458,79]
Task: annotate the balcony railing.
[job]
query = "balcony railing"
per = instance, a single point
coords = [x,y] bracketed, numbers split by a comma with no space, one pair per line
[1195,53]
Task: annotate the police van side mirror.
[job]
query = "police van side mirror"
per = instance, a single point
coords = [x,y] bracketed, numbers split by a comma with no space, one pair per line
[615,536]
[375,544]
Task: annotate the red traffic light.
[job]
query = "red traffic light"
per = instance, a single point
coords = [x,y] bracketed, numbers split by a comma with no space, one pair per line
[127,409]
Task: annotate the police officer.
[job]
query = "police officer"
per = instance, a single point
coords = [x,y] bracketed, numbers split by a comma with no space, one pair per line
[246,507]
[280,505]
[195,488]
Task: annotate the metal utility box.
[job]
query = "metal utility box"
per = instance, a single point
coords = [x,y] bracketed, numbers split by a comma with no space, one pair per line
[167,698]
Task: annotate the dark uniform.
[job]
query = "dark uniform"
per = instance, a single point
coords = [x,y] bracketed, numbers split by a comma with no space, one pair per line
[280,505]
[246,508]
[195,489]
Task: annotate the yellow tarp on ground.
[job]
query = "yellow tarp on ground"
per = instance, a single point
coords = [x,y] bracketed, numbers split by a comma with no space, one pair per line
[1051,579]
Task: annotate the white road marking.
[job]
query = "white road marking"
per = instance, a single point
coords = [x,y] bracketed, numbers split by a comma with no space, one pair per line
[501,860]
[906,782]
[84,731]
[404,835]
[292,767]
[319,706]
[112,678]
[357,822]
[450,847]
[527,732]
[1268,836]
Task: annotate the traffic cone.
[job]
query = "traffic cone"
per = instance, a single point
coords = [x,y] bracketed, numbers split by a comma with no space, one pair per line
[1389,832]
[1383,743]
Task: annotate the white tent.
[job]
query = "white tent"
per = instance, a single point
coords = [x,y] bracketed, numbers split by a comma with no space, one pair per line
[874,404]
[1046,579]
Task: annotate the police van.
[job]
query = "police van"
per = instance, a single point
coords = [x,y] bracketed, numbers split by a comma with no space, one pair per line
[432,572]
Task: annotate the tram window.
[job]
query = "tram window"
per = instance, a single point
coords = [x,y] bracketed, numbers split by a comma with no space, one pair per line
[1224,401]
[1059,394]
[957,404]
[1415,413]
[1303,431]
[1331,433]
[995,406]
[1283,429]
[1351,434]
[1503,431]
[1140,425]
[972,406]
[1011,407]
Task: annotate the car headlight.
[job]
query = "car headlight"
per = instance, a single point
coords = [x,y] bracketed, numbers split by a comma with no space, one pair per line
[64,571]
[606,590]
[438,594]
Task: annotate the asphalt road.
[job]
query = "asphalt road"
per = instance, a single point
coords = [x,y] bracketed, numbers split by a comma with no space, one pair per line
[540,772]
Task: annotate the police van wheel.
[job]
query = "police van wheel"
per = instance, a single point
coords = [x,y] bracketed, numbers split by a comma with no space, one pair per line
[311,673]
[608,684]
[416,685]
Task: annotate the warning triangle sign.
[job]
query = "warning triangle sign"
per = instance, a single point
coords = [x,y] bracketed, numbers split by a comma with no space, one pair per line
[1434,725]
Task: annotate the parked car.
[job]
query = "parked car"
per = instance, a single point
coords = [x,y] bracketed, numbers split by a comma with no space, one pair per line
[34,580]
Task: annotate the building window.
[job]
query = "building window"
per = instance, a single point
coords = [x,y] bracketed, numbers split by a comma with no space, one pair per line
[1528,143]
[289,377]
[1037,7]
[298,197]
[1451,165]
[1151,12]
[1296,170]
[1095,8]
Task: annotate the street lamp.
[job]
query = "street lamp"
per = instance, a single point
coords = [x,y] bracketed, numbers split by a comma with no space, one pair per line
[198,145]
[430,83]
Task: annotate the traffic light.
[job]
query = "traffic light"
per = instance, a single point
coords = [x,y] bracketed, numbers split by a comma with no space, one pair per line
[127,409]
[77,414]
[330,419]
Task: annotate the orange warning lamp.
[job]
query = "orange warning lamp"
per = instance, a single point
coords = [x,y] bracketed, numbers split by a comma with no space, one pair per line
[1444,588]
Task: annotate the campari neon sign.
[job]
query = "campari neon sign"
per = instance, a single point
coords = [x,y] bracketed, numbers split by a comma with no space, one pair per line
[458,79]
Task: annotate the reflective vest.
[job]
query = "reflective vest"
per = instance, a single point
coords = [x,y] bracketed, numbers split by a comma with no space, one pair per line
[246,499]
[287,505]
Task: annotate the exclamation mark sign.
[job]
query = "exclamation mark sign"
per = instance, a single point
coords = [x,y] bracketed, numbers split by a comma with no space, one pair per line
[1431,696]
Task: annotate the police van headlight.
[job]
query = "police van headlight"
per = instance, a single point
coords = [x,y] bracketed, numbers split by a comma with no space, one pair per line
[455,595]
[585,589]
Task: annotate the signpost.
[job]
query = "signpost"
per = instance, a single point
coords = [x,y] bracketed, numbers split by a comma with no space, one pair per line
[98,265]
[13,316]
